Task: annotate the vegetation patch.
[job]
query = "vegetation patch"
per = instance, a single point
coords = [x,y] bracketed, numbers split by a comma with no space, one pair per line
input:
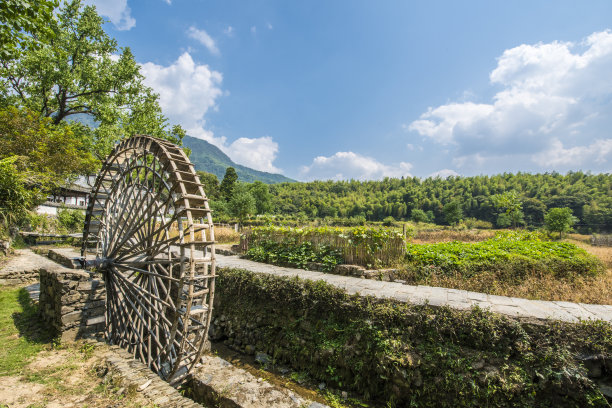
[408,355]
[368,247]
[512,256]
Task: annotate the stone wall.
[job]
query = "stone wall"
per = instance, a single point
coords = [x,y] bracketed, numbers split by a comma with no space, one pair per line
[18,277]
[410,354]
[72,302]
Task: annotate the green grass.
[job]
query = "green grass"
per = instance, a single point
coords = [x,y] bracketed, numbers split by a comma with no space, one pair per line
[20,336]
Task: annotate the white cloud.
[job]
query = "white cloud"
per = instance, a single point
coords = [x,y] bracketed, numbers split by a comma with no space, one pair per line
[552,95]
[116,10]
[168,1]
[203,38]
[254,30]
[600,151]
[256,153]
[187,91]
[444,173]
[269,26]
[349,165]
[229,31]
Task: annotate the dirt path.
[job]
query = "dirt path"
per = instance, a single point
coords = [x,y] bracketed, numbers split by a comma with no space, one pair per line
[69,376]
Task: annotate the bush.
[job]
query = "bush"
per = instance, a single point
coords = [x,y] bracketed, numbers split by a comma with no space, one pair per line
[389,221]
[477,224]
[296,255]
[15,198]
[71,220]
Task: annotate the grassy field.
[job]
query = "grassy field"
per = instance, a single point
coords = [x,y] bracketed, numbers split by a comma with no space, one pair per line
[530,280]
[36,372]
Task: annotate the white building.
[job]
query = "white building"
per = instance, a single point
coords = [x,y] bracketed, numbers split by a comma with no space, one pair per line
[74,196]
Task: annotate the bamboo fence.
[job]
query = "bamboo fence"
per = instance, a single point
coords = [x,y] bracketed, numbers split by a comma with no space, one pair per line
[390,252]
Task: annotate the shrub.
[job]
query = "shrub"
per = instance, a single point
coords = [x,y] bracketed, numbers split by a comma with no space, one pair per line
[364,246]
[15,198]
[478,224]
[71,220]
[389,221]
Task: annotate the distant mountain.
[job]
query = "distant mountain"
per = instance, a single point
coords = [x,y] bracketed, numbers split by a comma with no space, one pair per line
[209,158]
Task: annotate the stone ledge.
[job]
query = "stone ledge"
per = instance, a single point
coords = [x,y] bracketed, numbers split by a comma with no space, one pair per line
[219,383]
[134,374]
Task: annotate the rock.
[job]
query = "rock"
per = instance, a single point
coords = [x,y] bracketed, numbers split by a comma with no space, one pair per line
[263,358]
[594,364]
[322,386]
[478,365]
[344,394]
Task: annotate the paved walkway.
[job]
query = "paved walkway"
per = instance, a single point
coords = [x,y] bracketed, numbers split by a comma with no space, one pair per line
[457,299]
[25,261]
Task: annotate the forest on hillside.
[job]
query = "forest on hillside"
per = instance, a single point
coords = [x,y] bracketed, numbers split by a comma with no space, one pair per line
[505,200]
[589,196]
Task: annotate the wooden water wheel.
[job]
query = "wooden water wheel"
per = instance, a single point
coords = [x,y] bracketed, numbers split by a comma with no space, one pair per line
[148,228]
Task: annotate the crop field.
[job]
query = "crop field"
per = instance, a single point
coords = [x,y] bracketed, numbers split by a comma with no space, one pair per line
[516,264]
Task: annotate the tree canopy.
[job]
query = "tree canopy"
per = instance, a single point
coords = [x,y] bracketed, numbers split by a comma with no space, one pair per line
[22,20]
[80,70]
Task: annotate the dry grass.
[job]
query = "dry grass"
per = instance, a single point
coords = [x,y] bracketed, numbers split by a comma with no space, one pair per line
[224,235]
[597,290]
[433,236]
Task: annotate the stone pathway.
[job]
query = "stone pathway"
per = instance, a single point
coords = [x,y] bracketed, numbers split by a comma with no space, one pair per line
[23,267]
[455,298]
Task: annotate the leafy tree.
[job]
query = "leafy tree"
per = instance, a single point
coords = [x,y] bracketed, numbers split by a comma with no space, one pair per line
[503,220]
[18,18]
[211,184]
[16,198]
[512,206]
[228,183]
[534,211]
[53,153]
[559,220]
[418,215]
[242,203]
[81,70]
[452,212]
[262,196]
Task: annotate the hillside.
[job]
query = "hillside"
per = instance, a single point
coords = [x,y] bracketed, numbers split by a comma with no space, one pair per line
[209,158]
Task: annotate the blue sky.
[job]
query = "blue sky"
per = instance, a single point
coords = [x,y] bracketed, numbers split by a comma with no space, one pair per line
[368,89]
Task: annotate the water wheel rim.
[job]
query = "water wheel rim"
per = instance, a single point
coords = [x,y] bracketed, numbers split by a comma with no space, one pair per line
[151,225]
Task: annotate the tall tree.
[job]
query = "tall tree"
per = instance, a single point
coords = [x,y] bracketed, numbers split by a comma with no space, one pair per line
[242,203]
[262,196]
[81,70]
[228,183]
[511,204]
[559,220]
[211,184]
[453,212]
[20,19]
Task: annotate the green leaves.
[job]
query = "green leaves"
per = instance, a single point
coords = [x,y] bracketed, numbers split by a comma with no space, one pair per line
[365,246]
[80,70]
[518,250]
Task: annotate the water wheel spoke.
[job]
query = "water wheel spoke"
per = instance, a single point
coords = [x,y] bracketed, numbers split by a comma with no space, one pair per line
[140,220]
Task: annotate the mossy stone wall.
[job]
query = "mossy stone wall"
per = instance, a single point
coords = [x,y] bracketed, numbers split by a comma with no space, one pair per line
[411,355]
